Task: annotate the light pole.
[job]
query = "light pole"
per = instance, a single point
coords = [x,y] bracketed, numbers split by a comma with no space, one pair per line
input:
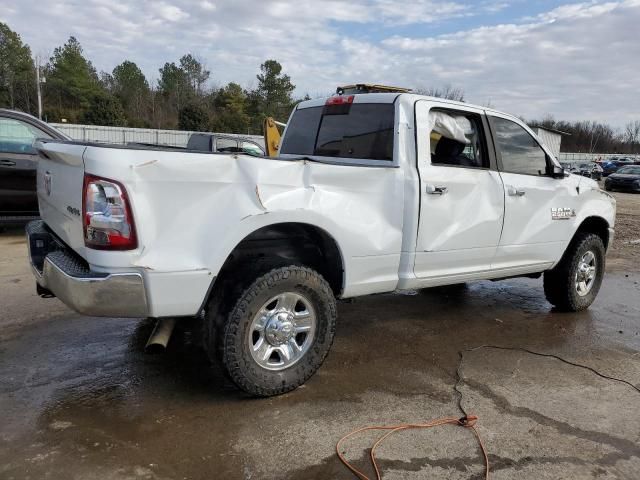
[38,87]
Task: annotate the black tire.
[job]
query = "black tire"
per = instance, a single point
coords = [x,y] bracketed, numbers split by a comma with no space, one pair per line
[560,282]
[232,337]
[607,187]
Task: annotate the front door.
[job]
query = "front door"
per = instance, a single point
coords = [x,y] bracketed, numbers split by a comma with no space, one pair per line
[18,164]
[532,235]
[461,193]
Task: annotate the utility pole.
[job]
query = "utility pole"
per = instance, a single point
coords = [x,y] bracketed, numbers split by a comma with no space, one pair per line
[39,88]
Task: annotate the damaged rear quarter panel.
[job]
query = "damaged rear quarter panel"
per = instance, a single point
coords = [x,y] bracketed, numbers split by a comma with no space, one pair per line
[192,209]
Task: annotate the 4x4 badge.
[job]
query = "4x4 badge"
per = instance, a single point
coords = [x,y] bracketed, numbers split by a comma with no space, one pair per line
[562,213]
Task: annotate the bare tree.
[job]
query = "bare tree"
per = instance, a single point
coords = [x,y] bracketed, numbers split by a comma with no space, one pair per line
[632,133]
[448,92]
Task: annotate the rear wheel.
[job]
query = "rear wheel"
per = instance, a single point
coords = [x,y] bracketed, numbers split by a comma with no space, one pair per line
[279,332]
[574,283]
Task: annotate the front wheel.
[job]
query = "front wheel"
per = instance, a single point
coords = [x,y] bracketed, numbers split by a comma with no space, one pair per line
[279,332]
[574,283]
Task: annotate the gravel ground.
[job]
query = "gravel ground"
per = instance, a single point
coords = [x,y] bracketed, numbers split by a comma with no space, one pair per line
[79,399]
[625,251]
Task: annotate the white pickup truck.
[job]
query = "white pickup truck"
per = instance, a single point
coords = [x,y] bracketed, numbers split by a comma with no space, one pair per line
[371,193]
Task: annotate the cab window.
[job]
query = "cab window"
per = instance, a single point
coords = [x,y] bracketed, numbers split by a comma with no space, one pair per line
[252,148]
[18,137]
[353,130]
[227,145]
[518,151]
[456,139]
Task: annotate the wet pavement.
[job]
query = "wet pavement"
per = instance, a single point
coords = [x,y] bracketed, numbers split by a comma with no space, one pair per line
[79,399]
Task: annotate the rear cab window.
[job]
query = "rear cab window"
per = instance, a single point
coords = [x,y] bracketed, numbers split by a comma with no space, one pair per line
[345,130]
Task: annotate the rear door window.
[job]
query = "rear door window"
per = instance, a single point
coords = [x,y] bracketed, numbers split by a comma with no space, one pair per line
[457,139]
[358,130]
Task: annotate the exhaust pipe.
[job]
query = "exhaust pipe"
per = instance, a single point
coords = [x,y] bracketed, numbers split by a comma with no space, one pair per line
[160,336]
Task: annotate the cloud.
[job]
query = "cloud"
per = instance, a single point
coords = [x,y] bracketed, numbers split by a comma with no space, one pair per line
[171,13]
[206,5]
[574,61]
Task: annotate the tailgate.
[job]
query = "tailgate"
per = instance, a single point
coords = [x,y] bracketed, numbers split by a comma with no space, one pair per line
[59,182]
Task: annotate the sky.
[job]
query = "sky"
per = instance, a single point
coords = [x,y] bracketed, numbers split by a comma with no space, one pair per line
[571,60]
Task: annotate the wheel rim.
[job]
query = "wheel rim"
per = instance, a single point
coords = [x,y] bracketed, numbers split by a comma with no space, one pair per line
[586,273]
[282,331]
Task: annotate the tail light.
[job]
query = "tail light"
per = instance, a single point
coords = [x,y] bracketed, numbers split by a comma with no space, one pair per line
[338,105]
[106,215]
[340,100]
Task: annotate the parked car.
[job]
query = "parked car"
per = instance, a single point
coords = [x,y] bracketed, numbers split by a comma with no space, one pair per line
[590,170]
[626,178]
[18,162]
[611,166]
[371,193]
[570,167]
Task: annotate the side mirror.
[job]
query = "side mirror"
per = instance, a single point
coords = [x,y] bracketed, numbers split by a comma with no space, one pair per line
[558,172]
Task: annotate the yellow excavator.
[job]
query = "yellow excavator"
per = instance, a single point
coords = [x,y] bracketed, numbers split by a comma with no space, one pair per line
[272,135]
[270,126]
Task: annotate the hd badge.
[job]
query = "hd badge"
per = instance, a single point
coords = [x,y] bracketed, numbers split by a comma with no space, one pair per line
[562,213]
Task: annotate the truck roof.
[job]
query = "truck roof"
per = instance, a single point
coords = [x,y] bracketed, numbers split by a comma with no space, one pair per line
[391,97]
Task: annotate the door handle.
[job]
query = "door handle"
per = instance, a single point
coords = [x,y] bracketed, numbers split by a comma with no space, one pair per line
[7,163]
[514,192]
[436,190]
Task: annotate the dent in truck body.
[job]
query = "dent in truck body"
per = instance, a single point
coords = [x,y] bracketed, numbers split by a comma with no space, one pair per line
[187,202]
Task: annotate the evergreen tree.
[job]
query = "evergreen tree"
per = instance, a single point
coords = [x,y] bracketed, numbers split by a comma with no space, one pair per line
[273,96]
[17,72]
[72,82]
[104,109]
[195,72]
[231,106]
[130,86]
[193,117]
[175,89]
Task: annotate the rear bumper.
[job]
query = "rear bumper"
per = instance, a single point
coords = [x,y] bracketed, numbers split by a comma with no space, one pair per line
[69,278]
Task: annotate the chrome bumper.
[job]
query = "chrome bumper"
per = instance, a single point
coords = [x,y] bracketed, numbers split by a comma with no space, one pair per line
[69,278]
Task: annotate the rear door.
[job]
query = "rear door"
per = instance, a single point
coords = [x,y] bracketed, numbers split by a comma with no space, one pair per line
[18,164]
[461,193]
[532,235]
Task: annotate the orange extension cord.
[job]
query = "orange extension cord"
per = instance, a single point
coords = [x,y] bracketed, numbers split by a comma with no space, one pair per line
[468,421]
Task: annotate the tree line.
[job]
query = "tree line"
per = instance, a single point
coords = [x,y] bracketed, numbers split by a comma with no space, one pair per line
[182,97]
[595,137]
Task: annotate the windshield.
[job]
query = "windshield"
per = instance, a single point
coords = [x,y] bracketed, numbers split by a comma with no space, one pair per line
[359,130]
[630,170]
